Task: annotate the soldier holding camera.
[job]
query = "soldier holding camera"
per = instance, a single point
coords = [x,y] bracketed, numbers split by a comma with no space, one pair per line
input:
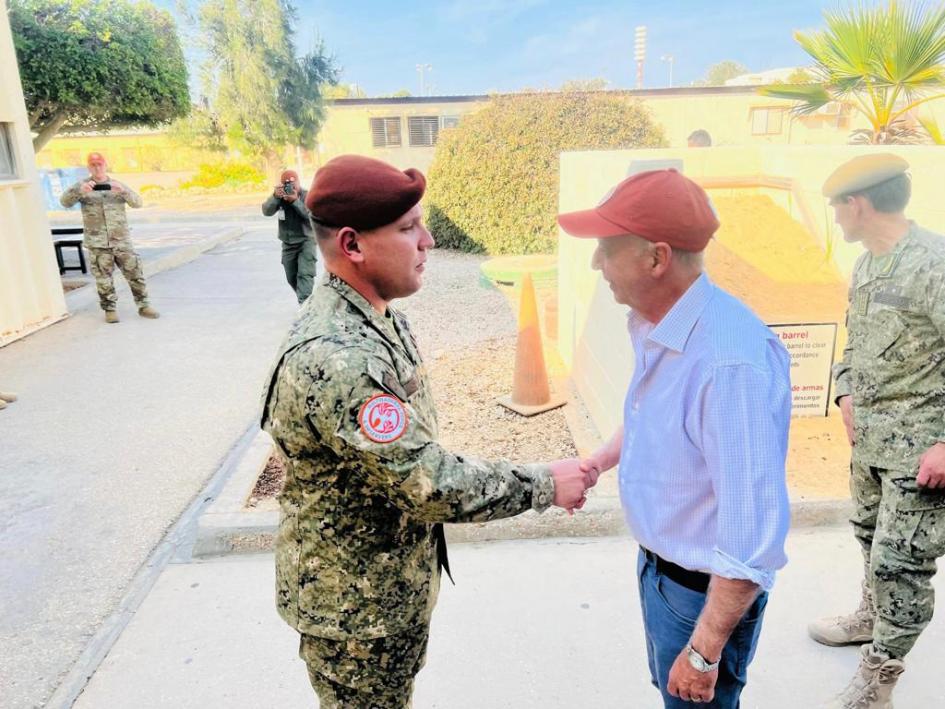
[295,233]
[107,237]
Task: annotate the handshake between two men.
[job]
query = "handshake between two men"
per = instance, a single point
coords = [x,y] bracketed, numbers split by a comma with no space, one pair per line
[573,477]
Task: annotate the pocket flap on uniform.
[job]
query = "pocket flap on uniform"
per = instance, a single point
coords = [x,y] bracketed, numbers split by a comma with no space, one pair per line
[919,499]
[884,335]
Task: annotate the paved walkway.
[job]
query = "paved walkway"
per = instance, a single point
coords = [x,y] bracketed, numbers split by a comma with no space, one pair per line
[545,624]
[117,428]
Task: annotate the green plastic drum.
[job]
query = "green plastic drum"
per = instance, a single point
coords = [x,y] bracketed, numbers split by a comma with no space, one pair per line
[507,271]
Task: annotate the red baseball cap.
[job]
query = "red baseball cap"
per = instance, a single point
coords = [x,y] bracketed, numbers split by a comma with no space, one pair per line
[659,205]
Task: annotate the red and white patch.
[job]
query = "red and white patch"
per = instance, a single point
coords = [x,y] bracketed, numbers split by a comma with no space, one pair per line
[383,418]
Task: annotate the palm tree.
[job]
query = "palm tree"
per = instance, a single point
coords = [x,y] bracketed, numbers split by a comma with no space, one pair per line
[883,61]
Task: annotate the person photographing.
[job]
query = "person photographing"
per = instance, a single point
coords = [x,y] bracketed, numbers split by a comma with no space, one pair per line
[287,202]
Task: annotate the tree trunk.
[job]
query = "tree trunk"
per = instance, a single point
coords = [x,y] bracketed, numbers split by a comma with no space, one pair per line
[48,130]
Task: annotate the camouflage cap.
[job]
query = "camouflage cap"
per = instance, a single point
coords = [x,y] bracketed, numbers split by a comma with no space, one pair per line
[863,172]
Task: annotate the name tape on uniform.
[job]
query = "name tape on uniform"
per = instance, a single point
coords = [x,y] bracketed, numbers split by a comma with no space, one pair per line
[383,418]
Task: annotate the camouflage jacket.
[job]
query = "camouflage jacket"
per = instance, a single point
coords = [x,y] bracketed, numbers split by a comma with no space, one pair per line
[350,409]
[103,213]
[894,361]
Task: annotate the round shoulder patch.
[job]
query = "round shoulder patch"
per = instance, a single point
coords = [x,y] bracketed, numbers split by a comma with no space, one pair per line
[383,418]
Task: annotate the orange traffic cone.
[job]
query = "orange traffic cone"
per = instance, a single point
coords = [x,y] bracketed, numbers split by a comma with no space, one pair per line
[530,392]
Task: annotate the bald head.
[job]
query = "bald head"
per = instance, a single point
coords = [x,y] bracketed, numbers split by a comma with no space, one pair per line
[97,166]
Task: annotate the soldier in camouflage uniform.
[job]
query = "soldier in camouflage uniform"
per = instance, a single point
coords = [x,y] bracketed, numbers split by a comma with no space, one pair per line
[890,387]
[107,237]
[349,406]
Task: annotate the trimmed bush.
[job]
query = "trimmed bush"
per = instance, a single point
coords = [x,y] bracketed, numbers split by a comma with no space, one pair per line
[493,184]
[224,174]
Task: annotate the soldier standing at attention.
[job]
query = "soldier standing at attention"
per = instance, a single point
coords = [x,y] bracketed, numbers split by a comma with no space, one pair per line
[891,391]
[361,544]
[107,237]
[295,232]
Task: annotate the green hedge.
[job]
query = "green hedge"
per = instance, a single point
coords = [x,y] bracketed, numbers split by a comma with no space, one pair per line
[493,184]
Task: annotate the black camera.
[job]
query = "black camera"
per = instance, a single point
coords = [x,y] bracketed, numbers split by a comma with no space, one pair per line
[102,186]
[288,187]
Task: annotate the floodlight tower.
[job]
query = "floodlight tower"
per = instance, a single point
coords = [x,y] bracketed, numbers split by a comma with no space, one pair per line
[639,52]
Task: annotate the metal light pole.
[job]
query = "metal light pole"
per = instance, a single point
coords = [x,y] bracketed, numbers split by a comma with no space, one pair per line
[639,52]
[420,69]
[669,58]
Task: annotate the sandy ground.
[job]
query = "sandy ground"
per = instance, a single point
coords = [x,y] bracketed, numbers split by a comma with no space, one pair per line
[471,360]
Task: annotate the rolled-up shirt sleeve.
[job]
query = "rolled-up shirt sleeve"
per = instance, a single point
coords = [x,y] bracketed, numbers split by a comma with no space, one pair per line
[747,412]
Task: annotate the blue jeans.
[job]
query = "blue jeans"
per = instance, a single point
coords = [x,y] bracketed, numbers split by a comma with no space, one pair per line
[670,612]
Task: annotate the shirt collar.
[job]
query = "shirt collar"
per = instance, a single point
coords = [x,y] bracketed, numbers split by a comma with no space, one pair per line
[674,329]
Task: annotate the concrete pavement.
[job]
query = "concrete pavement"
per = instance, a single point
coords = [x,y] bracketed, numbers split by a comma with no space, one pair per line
[117,429]
[543,624]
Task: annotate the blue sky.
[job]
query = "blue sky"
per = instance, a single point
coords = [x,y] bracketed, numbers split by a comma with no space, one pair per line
[477,46]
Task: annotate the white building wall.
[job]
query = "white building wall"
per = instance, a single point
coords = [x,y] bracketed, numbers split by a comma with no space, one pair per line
[30,288]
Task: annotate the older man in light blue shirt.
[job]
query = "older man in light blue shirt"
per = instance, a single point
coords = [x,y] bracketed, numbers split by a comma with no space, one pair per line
[702,448]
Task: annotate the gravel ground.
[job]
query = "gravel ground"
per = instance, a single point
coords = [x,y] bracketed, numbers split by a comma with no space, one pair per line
[467,334]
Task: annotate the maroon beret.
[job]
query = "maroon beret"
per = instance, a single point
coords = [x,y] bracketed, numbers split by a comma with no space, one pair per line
[660,205]
[362,193]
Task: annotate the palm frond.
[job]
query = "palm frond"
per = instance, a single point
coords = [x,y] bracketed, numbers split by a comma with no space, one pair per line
[810,97]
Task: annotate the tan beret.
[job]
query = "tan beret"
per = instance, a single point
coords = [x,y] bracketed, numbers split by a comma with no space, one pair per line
[863,172]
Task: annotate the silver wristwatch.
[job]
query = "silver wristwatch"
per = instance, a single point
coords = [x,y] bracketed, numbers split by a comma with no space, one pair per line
[698,662]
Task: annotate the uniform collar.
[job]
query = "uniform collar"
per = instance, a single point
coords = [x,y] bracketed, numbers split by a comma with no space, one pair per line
[382,323]
[894,256]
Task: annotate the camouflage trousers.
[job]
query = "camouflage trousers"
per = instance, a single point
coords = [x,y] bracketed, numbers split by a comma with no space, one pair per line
[365,674]
[103,263]
[901,529]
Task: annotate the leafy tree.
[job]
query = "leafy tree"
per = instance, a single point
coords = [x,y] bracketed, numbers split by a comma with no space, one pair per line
[493,184]
[599,84]
[200,129]
[800,76]
[718,74]
[885,61]
[97,64]
[333,91]
[262,95]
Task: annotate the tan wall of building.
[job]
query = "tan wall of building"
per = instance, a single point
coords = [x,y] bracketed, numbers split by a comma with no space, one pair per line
[126,152]
[592,334]
[733,117]
[30,288]
[746,119]
[347,129]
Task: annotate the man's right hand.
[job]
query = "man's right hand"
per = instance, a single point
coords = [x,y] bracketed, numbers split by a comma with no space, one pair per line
[846,410]
[86,187]
[571,483]
[278,192]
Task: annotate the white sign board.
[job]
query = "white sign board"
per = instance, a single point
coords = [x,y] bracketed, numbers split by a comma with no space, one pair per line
[811,347]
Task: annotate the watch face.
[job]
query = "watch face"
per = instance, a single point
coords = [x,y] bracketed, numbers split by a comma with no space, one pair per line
[698,661]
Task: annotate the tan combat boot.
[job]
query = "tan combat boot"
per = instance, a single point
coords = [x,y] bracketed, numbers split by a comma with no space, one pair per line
[3,404]
[148,312]
[7,398]
[856,628]
[111,316]
[873,683]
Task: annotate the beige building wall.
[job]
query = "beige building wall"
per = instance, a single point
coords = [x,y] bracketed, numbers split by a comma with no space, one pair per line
[30,288]
[348,128]
[592,335]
